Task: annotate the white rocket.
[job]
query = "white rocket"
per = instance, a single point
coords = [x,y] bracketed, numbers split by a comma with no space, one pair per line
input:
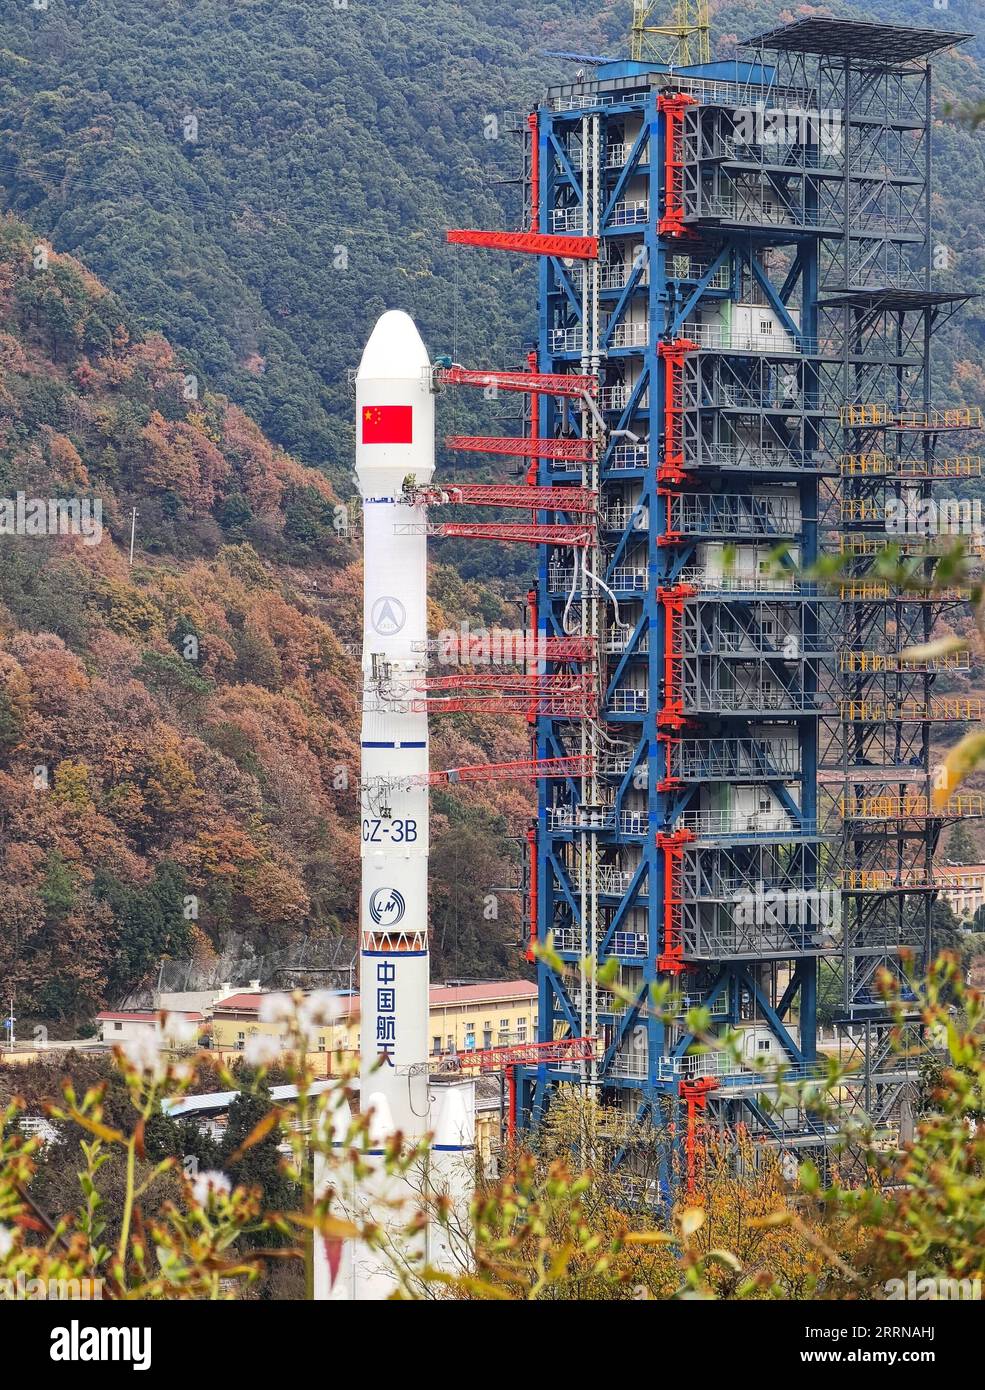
[394,442]
[394,445]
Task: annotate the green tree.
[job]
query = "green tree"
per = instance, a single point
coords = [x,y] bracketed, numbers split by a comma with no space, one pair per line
[259,1163]
[173,676]
[57,889]
[961,847]
[830,993]
[150,922]
[11,722]
[309,520]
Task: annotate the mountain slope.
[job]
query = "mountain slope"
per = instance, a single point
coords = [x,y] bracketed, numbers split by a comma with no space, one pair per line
[259,182]
[256,183]
[178,739]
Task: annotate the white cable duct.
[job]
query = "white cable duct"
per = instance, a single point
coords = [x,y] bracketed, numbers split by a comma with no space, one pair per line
[565,616]
[594,368]
[605,588]
[583,623]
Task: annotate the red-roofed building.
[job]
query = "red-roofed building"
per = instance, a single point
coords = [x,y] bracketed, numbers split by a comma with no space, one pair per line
[124,1025]
[962,887]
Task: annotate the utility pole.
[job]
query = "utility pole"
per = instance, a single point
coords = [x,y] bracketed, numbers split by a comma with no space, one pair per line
[133,533]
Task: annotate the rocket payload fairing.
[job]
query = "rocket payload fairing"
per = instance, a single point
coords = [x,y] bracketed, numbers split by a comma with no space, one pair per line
[394,442]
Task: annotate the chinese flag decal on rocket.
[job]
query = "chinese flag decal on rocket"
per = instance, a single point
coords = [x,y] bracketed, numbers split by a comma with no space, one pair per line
[388,424]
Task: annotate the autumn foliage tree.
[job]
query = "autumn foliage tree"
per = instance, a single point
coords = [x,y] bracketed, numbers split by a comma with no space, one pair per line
[179,738]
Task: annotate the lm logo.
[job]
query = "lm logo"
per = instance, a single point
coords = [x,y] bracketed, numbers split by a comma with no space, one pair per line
[387,907]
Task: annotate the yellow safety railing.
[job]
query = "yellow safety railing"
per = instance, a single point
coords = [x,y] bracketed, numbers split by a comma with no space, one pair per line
[965,707]
[913,804]
[875,414]
[880,879]
[861,509]
[868,591]
[856,592]
[855,543]
[962,417]
[876,464]
[956,466]
[910,711]
[863,661]
[892,661]
[864,413]
[865,463]
[951,595]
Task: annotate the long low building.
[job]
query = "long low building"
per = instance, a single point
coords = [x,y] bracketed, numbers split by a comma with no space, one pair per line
[962,887]
[210,1112]
[463,1018]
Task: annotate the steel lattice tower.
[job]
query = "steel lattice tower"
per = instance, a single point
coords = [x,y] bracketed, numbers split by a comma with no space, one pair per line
[759,319]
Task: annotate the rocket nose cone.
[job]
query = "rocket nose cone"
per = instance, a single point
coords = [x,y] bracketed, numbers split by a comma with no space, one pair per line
[395,349]
[381,1126]
[452,1125]
[334,1124]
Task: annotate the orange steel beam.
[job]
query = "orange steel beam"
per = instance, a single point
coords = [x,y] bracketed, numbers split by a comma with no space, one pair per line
[568,683]
[519,495]
[671,960]
[671,468]
[580,450]
[511,1056]
[554,706]
[548,383]
[481,648]
[673,108]
[534,641]
[671,716]
[670,536]
[575,248]
[695,1097]
[528,532]
[528,770]
[533,125]
[534,888]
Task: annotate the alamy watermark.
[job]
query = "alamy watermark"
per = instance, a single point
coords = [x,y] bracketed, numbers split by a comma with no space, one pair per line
[759,906]
[932,1290]
[78,1342]
[790,125]
[21,1289]
[934,516]
[52,516]
[495,646]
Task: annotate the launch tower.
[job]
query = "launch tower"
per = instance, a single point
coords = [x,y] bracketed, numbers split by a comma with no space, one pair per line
[738,280]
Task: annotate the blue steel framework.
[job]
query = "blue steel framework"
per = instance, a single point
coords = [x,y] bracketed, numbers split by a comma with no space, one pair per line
[748,290]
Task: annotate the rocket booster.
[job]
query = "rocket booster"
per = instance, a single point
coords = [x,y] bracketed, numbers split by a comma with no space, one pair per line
[394,442]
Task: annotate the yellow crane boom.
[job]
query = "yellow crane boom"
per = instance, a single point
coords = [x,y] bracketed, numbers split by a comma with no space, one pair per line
[684,40]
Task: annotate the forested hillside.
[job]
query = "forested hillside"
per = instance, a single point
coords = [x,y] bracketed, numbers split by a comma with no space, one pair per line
[255,182]
[178,740]
[259,181]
